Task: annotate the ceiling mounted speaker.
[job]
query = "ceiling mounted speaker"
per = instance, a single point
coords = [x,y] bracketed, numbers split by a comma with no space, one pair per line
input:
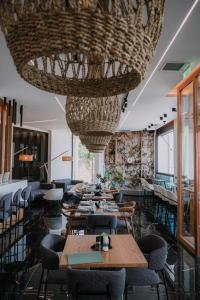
[93,116]
[86,48]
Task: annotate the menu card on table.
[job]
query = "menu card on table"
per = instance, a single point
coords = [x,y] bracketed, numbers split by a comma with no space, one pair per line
[84,258]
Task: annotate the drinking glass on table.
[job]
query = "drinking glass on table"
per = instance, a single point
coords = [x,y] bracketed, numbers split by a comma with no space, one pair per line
[105,205]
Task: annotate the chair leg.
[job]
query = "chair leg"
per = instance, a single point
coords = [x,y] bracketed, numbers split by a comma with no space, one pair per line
[126,293]
[45,289]
[45,286]
[158,293]
[165,284]
[40,284]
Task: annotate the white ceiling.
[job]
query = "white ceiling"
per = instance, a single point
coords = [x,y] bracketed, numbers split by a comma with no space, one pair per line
[40,105]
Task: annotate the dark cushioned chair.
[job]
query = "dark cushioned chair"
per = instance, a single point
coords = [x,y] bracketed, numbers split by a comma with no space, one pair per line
[39,189]
[102,223]
[72,198]
[17,201]
[155,250]
[96,282]
[50,245]
[118,197]
[65,184]
[5,206]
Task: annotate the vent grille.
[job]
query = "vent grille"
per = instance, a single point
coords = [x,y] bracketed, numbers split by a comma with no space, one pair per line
[174,66]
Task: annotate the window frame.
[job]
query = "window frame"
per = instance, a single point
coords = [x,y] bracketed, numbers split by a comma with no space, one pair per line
[161,131]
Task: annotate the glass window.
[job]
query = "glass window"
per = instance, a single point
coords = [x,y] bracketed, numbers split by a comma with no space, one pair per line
[166,153]
[187,162]
[85,164]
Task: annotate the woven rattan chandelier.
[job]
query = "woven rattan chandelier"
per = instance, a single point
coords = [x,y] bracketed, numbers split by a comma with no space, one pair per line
[96,118]
[101,140]
[95,144]
[95,149]
[85,48]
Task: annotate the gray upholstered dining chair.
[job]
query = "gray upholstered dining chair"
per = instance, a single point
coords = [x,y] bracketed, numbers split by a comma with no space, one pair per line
[26,193]
[5,206]
[155,250]
[118,197]
[50,245]
[17,201]
[95,283]
[98,224]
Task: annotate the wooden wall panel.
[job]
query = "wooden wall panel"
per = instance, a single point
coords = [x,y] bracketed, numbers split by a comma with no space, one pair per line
[6,129]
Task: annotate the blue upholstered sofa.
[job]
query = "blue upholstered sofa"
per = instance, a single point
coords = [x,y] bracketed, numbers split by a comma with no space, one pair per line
[65,184]
[38,189]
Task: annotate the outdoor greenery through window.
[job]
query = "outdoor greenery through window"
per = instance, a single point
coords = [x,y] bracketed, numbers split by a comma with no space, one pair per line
[86,164]
[166,153]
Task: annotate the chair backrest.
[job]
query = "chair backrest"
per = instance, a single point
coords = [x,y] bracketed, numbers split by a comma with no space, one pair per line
[156,190]
[75,198]
[102,223]
[155,248]
[162,192]
[17,197]
[49,245]
[35,185]
[94,282]
[54,194]
[5,201]
[26,193]
[146,185]
[172,196]
[165,195]
[118,197]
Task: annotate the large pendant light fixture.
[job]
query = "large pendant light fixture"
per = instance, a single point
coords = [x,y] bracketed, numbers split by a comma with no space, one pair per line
[85,48]
[93,117]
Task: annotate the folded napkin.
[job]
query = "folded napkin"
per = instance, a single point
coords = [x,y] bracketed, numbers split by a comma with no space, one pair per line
[111,209]
[84,208]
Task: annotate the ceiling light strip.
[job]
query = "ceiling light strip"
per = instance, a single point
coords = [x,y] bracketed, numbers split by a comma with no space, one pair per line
[59,103]
[41,121]
[162,57]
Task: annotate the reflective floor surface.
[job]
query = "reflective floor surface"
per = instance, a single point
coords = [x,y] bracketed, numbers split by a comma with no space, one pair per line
[20,269]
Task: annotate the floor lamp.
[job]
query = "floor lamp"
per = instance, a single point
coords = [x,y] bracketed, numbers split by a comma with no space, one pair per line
[64,158]
[26,158]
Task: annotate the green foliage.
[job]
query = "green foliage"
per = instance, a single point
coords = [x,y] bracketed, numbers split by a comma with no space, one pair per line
[84,153]
[112,178]
[119,176]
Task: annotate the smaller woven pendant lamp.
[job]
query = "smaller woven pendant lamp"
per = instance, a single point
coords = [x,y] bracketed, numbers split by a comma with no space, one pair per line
[97,117]
[95,140]
[95,148]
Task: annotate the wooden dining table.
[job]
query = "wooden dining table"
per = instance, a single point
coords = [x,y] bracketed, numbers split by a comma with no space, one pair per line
[124,253]
[111,210]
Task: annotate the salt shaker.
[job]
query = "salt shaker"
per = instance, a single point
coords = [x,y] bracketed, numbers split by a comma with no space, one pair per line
[105,243]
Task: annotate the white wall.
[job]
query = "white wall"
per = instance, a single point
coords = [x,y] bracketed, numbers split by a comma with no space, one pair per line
[61,140]
[99,165]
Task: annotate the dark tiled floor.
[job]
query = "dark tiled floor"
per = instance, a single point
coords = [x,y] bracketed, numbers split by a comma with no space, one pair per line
[183,270]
